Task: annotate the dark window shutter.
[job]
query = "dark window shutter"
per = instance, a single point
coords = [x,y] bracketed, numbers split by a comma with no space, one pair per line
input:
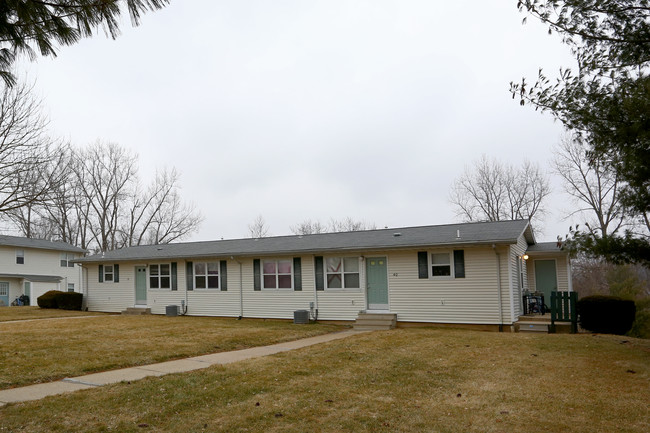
[224,275]
[101,273]
[257,283]
[174,273]
[297,274]
[459,263]
[189,275]
[318,264]
[116,275]
[423,264]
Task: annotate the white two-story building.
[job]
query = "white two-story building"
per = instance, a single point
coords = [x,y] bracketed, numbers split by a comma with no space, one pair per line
[33,266]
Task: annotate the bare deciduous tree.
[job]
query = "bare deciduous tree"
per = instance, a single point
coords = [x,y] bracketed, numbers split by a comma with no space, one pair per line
[101,205]
[309,227]
[106,174]
[349,224]
[26,152]
[258,228]
[594,186]
[492,191]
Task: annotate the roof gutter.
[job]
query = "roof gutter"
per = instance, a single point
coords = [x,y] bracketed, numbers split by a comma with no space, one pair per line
[289,252]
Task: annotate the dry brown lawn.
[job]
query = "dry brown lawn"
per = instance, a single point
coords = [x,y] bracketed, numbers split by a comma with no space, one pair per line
[407,380]
[46,350]
[8,314]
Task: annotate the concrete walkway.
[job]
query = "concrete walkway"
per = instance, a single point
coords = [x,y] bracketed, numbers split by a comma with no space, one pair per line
[70,384]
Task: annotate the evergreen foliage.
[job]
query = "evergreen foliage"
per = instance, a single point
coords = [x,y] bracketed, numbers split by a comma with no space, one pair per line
[60,300]
[606,103]
[606,314]
[31,26]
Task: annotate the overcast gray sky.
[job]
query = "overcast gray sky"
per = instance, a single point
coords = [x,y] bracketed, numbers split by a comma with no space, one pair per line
[312,109]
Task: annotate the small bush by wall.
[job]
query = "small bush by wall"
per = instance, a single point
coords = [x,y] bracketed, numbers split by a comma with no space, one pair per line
[606,314]
[48,299]
[60,300]
[69,301]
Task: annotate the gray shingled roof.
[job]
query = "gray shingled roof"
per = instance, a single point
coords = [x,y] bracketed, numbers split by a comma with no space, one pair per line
[500,232]
[34,278]
[15,241]
[545,247]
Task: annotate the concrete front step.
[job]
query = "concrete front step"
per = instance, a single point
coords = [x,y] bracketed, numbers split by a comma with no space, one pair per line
[535,318]
[373,322]
[530,326]
[136,311]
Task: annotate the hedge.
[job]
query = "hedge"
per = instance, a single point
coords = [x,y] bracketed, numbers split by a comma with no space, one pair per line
[60,300]
[606,314]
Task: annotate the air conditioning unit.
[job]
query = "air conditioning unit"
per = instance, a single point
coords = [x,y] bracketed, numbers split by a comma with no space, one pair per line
[171,311]
[301,317]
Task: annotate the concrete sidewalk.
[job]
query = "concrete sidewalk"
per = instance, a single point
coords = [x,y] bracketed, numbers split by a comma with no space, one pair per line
[70,384]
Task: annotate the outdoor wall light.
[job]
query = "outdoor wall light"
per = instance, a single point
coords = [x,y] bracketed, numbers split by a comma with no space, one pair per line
[525,257]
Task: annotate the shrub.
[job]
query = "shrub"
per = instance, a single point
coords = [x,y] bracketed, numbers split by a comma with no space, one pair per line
[48,299]
[60,300]
[69,301]
[606,314]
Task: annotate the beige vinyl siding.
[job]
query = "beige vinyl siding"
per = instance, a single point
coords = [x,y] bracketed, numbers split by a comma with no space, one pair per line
[516,252]
[200,302]
[110,297]
[280,303]
[340,304]
[561,268]
[472,299]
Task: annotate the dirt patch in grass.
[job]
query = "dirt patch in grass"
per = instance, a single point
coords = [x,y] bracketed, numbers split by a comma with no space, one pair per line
[8,314]
[407,380]
[43,351]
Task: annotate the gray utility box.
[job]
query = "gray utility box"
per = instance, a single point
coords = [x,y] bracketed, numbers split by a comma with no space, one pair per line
[171,311]
[301,317]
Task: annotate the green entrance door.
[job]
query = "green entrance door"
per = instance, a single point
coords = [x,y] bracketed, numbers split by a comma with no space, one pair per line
[28,290]
[545,278]
[377,283]
[140,285]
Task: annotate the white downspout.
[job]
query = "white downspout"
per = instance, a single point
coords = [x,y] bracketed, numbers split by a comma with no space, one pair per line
[569,276]
[499,287]
[84,287]
[241,289]
[313,259]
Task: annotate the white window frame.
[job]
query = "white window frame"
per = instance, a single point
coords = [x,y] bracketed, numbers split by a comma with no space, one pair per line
[20,257]
[108,273]
[64,260]
[70,287]
[277,274]
[4,287]
[342,273]
[160,276]
[450,254]
[207,275]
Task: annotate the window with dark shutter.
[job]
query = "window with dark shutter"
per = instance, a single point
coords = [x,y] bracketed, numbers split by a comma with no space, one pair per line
[297,274]
[189,275]
[174,275]
[116,273]
[423,264]
[224,275]
[101,273]
[459,263]
[257,283]
[319,272]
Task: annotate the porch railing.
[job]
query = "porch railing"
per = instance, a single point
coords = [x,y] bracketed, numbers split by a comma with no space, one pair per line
[564,309]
